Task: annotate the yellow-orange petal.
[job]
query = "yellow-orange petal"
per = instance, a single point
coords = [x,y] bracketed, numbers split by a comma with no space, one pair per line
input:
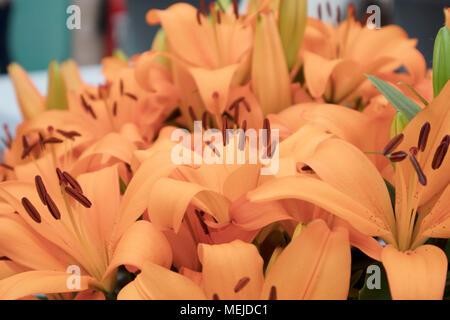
[158,283]
[39,282]
[141,243]
[418,274]
[314,266]
[170,198]
[225,265]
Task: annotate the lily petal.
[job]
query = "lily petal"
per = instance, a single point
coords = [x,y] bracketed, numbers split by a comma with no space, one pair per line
[418,274]
[315,265]
[225,265]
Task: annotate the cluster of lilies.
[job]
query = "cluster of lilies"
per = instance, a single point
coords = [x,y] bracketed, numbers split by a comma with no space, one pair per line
[88,180]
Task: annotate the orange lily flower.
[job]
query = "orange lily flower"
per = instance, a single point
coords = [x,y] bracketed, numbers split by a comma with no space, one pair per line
[60,222]
[336,59]
[201,203]
[208,56]
[351,188]
[305,270]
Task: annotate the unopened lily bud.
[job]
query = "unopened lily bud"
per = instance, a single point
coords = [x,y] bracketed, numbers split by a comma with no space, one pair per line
[31,102]
[292,25]
[119,54]
[441,56]
[71,75]
[398,124]
[270,74]
[57,94]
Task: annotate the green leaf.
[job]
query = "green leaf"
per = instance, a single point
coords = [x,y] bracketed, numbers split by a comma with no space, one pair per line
[425,102]
[441,60]
[400,102]
[376,294]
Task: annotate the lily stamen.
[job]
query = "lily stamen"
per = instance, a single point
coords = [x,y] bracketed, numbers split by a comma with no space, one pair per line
[31,210]
[398,156]
[394,143]
[440,154]
[41,190]
[83,200]
[423,136]
[420,174]
[192,114]
[236,8]
[7,167]
[273,293]
[52,208]
[131,96]
[241,284]
[72,181]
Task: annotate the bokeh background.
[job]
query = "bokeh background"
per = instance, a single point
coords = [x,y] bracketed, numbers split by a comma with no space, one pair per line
[34,32]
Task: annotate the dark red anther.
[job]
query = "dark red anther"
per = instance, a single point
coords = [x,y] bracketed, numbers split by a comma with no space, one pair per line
[203,8]
[219,17]
[319,11]
[7,167]
[338,15]
[114,109]
[41,190]
[131,96]
[215,296]
[9,138]
[72,181]
[236,8]
[69,134]
[52,140]
[330,14]
[78,197]
[241,284]
[205,120]
[440,154]
[52,208]
[423,136]
[199,18]
[421,176]
[31,210]
[25,142]
[192,114]
[61,178]
[224,130]
[398,156]
[394,143]
[28,150]
[273,293]
[121,87]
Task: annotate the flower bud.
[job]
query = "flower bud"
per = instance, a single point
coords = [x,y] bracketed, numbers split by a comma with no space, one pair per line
[292,25]
[270,75]
[57,94]
[441,57]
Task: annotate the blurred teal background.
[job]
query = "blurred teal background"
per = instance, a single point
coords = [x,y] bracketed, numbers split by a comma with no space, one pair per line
[37,32]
